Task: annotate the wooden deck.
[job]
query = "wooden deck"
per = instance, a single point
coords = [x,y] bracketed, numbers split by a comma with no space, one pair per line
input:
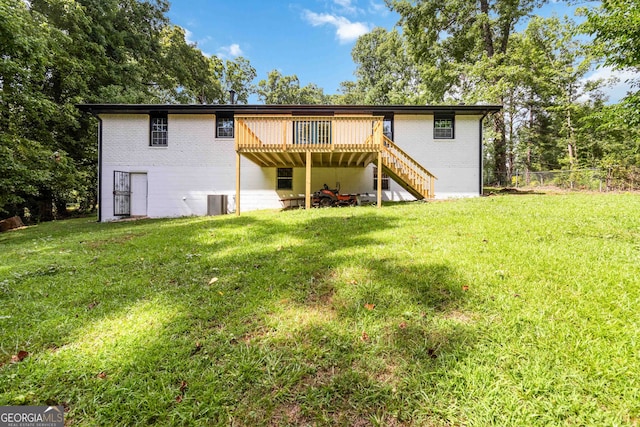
[333,141]
[326,141]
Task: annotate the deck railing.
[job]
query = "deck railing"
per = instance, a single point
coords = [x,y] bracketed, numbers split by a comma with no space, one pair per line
[302,133]
[409,171]
[355,134]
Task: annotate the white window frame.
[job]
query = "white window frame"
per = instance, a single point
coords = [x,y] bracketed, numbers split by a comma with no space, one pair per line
[159,128]
[444,126]
[223,130]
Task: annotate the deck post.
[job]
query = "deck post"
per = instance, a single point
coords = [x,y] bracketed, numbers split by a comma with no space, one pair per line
[379,179]
[431,187]
[237,183]
[307,186]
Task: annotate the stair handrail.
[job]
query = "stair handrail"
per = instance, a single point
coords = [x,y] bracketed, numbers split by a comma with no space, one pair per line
[246,130]
[389,143]
[415,175]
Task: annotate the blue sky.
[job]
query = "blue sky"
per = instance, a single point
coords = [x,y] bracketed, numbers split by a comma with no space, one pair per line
[309,38]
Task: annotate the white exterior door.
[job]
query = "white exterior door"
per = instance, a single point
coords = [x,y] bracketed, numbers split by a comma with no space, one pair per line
[138,194]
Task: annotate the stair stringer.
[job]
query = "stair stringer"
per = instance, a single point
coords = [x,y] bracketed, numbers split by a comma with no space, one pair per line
[406,171]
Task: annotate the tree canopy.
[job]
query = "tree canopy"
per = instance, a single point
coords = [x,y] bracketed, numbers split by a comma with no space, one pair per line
[279,89]
[59,53]
[500,52]
[615,25]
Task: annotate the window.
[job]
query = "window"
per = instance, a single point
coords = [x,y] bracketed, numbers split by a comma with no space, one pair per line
[385,179]
[285,179]
[312,132]
[443,127]
[387,127]
[224,126]
[159,130]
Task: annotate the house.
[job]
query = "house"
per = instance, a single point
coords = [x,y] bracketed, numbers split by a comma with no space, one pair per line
[177,160]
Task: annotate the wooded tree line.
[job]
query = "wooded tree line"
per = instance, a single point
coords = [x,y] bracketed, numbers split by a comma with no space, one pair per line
[58,53]
[500,52]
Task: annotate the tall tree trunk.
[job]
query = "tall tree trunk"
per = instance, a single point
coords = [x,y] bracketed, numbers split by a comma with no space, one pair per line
[571,145]
[61,208]
[45,206]
[486,28]
[500,149]
[510,142]
[529,140]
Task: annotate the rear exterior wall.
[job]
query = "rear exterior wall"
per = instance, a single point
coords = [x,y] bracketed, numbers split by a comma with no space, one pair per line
[195,164]
[455,162]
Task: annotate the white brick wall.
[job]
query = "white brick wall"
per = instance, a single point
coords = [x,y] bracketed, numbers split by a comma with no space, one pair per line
[195,164]
[454,161]
[181,175]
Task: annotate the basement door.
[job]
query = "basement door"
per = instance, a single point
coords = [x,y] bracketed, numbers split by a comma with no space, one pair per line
[139,194]
[121,193]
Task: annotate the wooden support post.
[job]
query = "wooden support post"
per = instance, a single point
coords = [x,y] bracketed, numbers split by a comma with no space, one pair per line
[379,179]
[307,187]
[284,135]
[237,184]
[431,196]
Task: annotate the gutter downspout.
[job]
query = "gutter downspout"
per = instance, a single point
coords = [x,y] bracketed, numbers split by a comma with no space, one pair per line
[481,151]
[99,169]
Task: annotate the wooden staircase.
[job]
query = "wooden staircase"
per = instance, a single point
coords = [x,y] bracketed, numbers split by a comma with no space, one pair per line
[346,141]
[408,173]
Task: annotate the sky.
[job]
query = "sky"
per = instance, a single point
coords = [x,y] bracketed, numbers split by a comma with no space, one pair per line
[309,38]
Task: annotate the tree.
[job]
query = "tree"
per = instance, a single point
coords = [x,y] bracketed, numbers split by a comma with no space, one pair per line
[189,76]
[28,163]
[386,74]
[351,94]
[238,75]
[58,53]
[552,66]
[447,37]
[279,89]
[616,27]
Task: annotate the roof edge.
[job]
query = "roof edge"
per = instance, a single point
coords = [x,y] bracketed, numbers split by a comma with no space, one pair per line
[96,109]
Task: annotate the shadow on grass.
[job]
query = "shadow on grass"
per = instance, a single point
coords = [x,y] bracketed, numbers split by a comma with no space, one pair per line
[312,318]
[494,191]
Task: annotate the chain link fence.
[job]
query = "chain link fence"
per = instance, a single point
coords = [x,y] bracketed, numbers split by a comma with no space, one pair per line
[611,179]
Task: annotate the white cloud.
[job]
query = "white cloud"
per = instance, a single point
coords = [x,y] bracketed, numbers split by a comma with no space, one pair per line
[188,36]
[619,81]
[346,31]
[379,9]
[232,50]
[346,6]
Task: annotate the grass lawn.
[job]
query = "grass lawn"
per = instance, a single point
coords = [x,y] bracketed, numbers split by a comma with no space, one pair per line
[507,311]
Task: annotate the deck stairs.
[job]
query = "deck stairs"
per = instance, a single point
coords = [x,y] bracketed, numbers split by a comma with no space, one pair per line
[407,172]
[343,141]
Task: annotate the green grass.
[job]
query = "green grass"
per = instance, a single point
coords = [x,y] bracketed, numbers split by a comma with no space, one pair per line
[507,311]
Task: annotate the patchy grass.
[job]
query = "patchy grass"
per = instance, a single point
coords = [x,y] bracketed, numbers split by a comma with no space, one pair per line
[510,310]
